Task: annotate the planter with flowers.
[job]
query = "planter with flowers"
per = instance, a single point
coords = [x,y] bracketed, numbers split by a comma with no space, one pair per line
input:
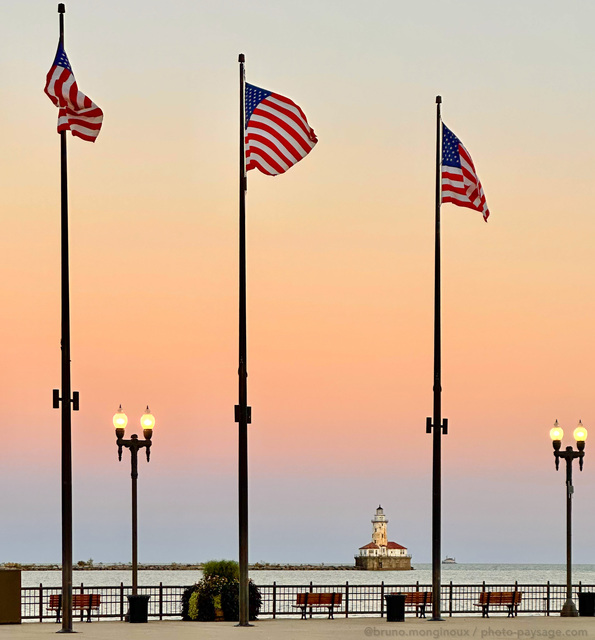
[216,596]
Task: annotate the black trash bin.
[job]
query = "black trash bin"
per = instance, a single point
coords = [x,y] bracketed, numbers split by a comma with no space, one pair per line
[138,610]
[395,607]
[586,604]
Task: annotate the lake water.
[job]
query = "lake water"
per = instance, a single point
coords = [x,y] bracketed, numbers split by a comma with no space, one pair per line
[495,574]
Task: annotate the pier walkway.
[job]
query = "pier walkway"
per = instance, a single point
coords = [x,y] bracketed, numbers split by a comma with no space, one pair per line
[495,628]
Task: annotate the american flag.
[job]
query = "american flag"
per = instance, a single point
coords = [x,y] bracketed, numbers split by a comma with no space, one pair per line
[460,183]
[76,112]
[277,132]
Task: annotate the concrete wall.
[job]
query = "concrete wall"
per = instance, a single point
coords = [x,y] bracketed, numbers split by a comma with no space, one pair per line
[383,563]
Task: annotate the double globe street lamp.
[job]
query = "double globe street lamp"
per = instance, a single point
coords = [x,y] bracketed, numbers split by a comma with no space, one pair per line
[569,454]
[147,422]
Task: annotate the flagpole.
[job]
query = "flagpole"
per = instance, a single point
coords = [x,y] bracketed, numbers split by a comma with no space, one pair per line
[436,423]
[66,385]
[242,410]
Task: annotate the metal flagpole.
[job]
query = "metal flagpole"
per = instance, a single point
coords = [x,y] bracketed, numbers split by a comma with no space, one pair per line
[66,387]
[242,410]
[67,396]
[435,422]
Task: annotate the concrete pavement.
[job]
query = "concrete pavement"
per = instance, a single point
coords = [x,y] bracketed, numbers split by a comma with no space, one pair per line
[495,628]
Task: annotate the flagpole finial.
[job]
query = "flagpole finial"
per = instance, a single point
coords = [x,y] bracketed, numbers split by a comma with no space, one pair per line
[241,58]
[438,99]
[61,8]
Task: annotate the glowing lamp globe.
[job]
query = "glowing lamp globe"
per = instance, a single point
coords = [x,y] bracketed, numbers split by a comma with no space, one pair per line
[580,433]
[147,420]
[556,433]
[120,419]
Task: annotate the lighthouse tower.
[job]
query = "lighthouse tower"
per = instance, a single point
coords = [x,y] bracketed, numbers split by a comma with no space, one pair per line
[379,522]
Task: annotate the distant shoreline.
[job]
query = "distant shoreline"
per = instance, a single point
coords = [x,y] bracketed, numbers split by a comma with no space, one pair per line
[91,566]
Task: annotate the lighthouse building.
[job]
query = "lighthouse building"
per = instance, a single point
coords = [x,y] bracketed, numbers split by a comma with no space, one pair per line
[381,554]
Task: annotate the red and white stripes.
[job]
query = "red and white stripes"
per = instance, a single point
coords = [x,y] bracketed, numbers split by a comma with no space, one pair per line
[277,133]
[77,112]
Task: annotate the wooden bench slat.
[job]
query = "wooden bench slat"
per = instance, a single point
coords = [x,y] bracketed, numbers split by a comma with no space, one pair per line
[80,601]
[312,599]
[510,599]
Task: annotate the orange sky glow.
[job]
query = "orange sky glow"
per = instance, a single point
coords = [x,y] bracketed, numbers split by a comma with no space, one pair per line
[340,277]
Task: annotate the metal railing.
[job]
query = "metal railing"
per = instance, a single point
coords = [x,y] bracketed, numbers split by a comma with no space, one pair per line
[279,600]
[368,600]
[165,602]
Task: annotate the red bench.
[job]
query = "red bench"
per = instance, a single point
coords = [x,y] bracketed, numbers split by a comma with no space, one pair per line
[80,601]
[309,599]
[509,599]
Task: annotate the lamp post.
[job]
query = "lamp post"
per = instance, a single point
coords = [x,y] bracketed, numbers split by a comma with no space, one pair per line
[569,454]
[147,422]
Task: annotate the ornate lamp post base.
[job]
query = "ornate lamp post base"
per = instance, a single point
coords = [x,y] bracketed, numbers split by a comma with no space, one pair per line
[569,610]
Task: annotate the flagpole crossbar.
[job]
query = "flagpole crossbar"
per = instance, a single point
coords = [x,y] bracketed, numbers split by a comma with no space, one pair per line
[57,399]
[430,426]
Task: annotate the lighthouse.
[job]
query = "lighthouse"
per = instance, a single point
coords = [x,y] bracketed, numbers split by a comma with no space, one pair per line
[381,554]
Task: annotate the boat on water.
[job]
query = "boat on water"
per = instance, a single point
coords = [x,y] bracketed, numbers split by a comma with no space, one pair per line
[449,560]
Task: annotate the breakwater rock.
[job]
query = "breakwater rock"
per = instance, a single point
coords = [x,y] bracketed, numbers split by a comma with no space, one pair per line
[89,565]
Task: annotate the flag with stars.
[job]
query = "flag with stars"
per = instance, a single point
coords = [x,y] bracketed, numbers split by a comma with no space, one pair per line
[277,132]
[460,183]
[77,113]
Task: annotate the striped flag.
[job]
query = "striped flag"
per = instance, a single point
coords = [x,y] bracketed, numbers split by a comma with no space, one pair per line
[77,113]
[277,132]
[460,183]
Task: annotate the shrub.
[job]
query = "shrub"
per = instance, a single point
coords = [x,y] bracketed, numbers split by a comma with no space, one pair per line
[186,595]
[230,600]
[220,587]
[193,606]
[228,569]
[255,601]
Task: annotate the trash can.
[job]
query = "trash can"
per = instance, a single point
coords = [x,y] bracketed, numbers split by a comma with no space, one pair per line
[10,596]
[586,604]
[138,610]
[395,607]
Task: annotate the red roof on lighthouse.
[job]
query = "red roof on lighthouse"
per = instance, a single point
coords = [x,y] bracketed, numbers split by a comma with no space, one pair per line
[395,545]
[370,545]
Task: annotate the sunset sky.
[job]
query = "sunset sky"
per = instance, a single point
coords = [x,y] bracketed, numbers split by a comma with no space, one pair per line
[340,278]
